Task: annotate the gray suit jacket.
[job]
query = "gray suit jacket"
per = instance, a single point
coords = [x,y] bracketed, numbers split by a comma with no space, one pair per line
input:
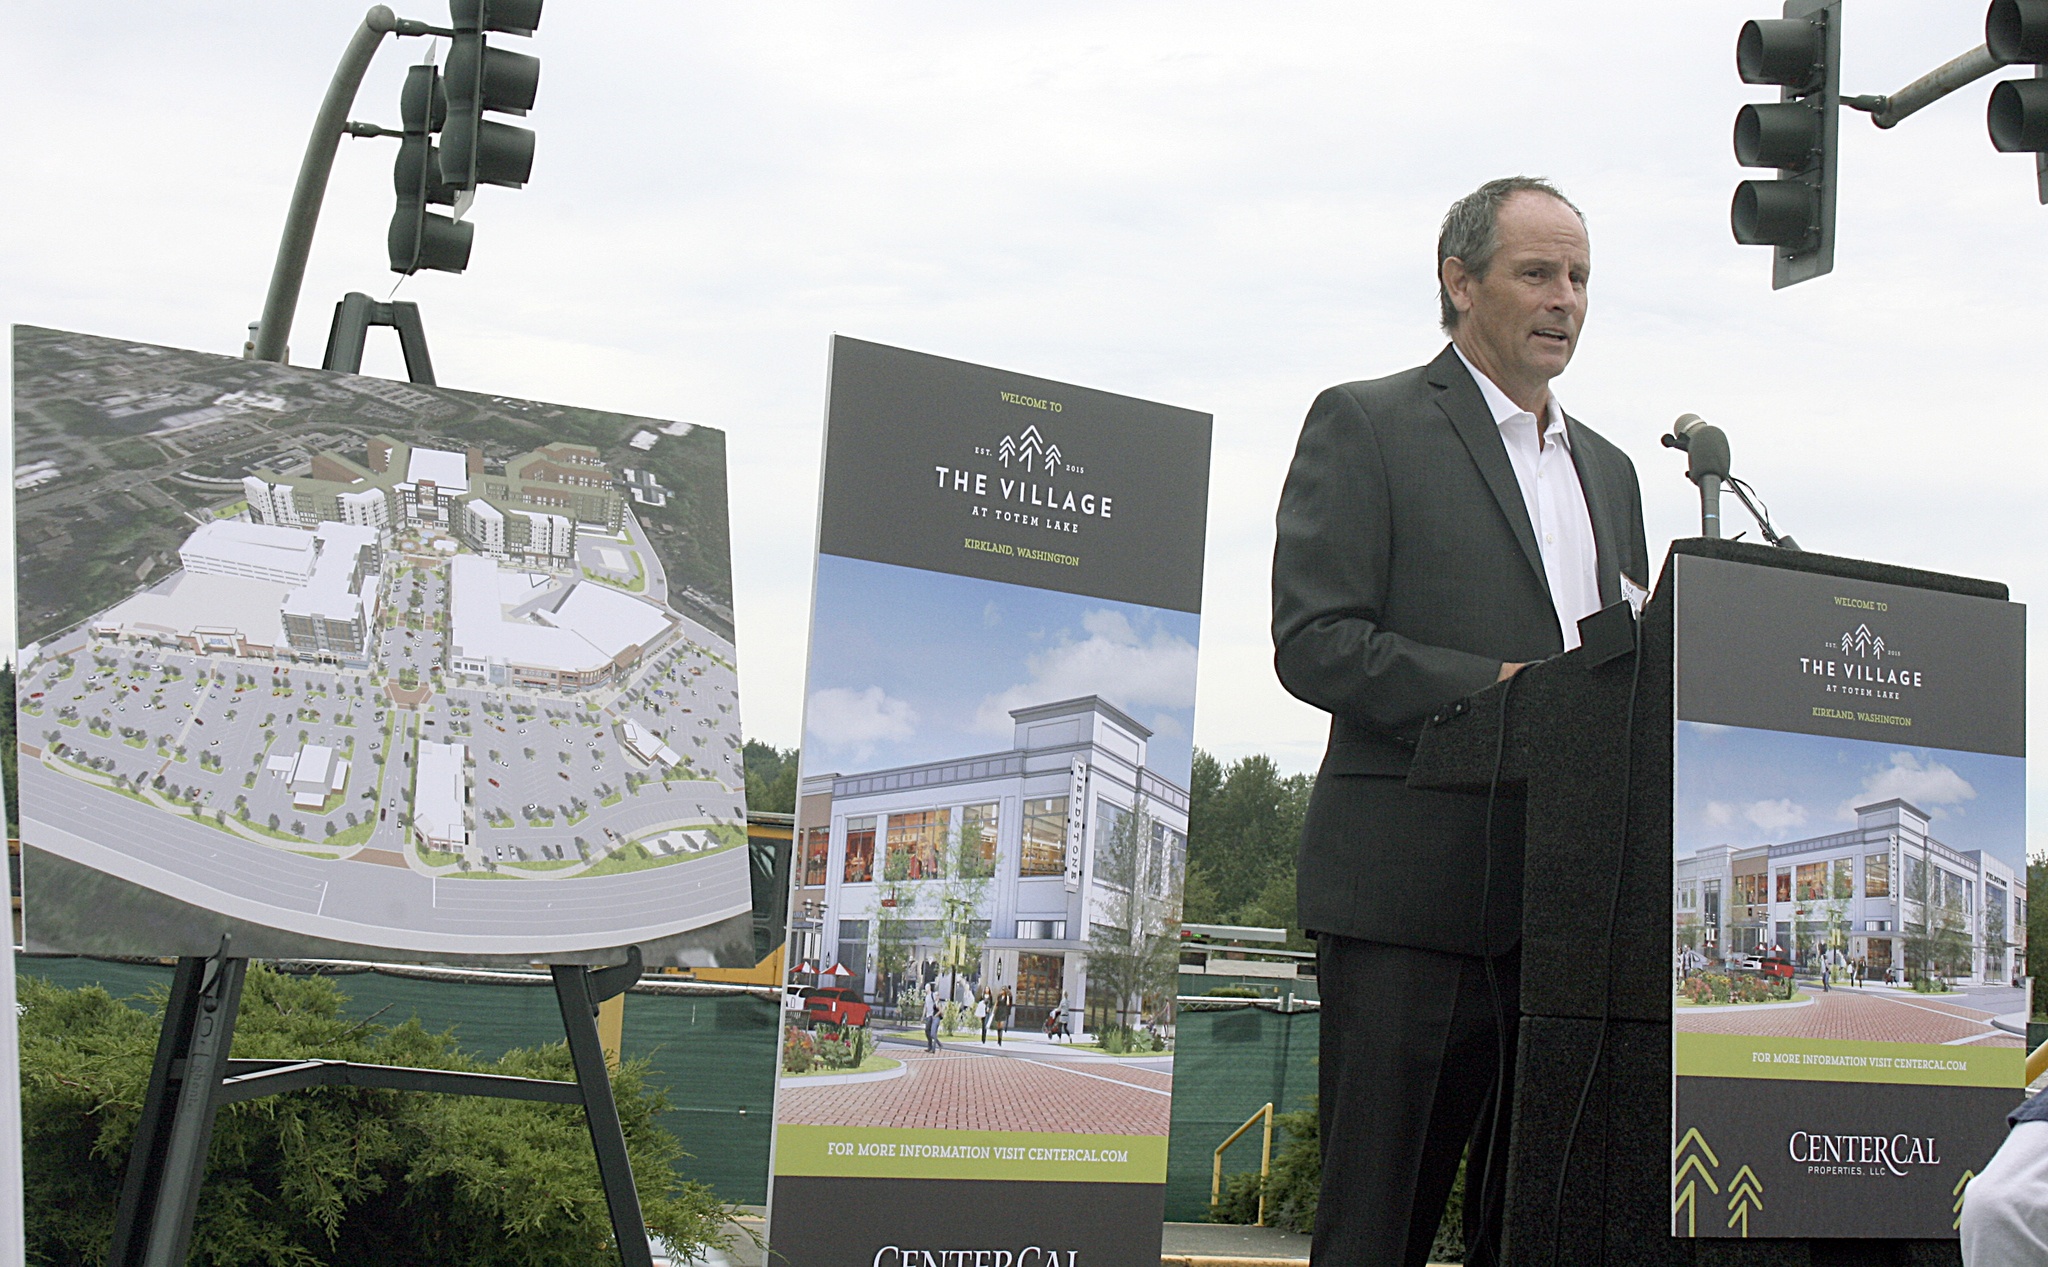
[1405,572]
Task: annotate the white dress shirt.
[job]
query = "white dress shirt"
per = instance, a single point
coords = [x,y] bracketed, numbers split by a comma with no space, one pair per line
[1556,504]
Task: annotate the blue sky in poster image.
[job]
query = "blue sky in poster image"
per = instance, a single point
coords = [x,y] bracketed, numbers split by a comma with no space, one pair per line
[910,666]
[1736,786]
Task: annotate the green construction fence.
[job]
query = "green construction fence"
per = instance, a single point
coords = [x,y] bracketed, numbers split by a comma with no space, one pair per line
[715,1057]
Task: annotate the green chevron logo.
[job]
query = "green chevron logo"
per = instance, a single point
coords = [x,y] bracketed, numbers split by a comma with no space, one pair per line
[1688,1173]
[1745,1193]
[1958,1193]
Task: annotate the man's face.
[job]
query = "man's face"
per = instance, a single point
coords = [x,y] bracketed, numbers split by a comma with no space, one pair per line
[1524,316]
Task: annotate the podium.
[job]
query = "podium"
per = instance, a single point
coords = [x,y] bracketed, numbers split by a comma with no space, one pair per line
[1589,749]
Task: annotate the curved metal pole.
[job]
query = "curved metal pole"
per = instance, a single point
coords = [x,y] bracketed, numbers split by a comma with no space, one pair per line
[289,273]
[1960,72]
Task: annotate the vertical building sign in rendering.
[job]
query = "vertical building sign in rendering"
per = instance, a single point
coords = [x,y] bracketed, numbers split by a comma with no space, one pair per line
[977,1065]
[346,667]
[1849,901]
[1077,824]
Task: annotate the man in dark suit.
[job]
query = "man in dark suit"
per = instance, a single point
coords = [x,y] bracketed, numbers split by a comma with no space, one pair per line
[1439,529]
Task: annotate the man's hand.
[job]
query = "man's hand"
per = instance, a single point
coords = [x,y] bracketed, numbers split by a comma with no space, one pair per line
[1509,670]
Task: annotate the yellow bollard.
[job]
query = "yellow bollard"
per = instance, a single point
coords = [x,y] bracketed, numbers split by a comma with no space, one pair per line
[611,1029]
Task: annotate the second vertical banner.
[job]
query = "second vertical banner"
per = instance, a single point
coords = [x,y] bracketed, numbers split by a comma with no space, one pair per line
[992,820]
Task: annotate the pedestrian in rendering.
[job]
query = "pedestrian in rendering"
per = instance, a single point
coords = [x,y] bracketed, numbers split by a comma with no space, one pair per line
[931,1020]
[1003,1006]
[1052,1024]
[981,1011]
[1440,529]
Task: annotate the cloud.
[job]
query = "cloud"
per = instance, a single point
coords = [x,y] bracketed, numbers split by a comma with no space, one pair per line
[1775,816]
[991,615]
[855,722]
[1128,667]
[1932,786]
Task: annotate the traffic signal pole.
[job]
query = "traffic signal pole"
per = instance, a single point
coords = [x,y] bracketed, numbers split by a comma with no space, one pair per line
[1797,134]
[289,272]
[1931,87]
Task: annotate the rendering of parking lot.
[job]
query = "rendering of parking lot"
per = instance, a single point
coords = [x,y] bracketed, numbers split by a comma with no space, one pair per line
[333,659]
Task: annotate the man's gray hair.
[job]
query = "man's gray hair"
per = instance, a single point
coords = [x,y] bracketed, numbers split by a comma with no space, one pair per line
[1471,231]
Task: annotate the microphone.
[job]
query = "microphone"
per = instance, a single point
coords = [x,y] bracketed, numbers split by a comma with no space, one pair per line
[1680,436]
[1707,462]
[1706,453]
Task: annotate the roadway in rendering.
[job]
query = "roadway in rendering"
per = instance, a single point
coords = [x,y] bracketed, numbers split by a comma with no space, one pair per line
[362,902]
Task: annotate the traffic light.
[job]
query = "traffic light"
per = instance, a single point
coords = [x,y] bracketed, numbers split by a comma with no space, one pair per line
[419,238]
[2016,33]
[1794,214]
[475,150]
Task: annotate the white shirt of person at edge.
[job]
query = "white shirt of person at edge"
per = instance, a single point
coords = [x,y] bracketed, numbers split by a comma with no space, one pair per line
[1555,502]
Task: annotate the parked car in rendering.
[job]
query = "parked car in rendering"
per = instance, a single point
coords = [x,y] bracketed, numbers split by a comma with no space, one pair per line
[1765,966]
[833,1005]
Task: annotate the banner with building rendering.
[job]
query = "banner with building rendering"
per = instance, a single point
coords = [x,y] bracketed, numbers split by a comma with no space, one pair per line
[992,820]
[1849,901]
[343,666]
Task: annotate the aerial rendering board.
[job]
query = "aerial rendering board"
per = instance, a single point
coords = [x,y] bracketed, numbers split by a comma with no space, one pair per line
[342,666]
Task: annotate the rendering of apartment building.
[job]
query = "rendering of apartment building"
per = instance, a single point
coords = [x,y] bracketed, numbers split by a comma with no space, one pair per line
[332,613]
[569,480]
[1855,896]
[874,851]
[529,512]
[528,535]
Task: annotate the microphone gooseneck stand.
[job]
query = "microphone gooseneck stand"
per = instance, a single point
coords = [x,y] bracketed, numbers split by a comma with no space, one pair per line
[1707,461]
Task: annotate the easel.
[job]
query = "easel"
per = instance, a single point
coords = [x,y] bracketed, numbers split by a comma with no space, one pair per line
[354,316]
[193,1076]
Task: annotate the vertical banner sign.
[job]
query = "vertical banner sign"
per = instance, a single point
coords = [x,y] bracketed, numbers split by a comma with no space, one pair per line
[1077,824]
[1849,901]
[350,668]
[977,1053]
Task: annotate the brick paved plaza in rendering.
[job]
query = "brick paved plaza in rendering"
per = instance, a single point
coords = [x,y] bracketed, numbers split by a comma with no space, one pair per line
[1867,1015]
[971,1087]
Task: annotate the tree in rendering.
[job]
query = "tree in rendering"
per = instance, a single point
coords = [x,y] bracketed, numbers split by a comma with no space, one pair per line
[970,865]
[895,939]
[1996,942]
[1134,943]
[1938,942]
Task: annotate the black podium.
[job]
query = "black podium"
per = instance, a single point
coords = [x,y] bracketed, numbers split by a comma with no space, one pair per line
[1597,940]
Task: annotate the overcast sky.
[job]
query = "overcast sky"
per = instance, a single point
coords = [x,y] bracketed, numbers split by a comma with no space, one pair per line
[1221,206]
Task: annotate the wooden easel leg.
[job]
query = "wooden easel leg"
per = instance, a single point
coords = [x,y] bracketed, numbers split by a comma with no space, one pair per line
[579,991]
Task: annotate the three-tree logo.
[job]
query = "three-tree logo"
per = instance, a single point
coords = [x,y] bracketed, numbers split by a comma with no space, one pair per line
[1863,644]
[1031,451]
